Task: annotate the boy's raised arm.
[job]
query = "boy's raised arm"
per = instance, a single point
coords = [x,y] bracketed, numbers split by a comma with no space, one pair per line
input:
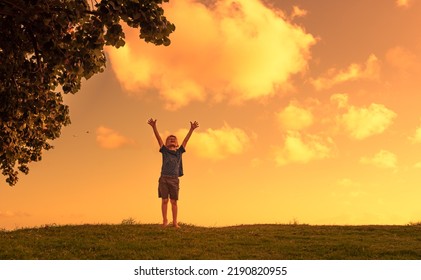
[193,126]
[152,123]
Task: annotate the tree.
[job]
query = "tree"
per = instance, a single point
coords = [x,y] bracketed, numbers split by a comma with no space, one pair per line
[46,48]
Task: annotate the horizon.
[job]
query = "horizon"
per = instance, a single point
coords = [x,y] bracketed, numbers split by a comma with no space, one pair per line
[187,225]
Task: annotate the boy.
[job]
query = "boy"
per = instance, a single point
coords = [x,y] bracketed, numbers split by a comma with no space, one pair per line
[172,169]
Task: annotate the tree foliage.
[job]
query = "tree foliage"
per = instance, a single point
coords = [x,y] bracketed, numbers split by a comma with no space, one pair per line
[46,48]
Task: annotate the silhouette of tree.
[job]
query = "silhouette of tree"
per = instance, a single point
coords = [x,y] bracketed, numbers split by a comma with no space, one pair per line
[46,48]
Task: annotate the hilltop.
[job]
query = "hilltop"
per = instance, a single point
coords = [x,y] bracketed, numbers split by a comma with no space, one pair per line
[272,241]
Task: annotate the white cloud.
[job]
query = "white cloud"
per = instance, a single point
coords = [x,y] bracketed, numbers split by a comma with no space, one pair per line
[232,50]
[341,100]
[416,138]
[107,138]
[298,12]
[217,144]
[300,148]
[369,70]
[294,117]
[363,122]
[383,159]
[403,3]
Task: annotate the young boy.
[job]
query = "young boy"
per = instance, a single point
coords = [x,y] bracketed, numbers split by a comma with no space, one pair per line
[172,169]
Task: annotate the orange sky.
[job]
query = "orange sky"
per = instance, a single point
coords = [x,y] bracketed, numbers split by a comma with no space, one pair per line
[308,112]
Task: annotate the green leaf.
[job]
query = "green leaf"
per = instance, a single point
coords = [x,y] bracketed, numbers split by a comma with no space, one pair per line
[50,45]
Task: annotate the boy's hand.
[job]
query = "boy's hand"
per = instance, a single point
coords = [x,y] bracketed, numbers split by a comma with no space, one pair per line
[194,125]
[152,122]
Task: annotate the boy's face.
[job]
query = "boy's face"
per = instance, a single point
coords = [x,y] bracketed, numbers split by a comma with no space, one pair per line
[171,142]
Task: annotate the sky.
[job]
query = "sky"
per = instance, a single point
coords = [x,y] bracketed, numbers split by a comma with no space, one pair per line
[308,112]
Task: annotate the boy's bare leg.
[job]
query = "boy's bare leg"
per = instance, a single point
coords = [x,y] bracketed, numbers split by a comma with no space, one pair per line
[164,208]
[174,209]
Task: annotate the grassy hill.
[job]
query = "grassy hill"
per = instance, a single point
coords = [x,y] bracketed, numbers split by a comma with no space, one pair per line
[150,241]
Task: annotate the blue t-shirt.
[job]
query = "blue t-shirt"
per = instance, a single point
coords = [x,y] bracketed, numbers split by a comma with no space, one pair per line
[172,163]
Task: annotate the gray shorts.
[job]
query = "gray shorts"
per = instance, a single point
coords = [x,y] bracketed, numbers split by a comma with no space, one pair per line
[168,187]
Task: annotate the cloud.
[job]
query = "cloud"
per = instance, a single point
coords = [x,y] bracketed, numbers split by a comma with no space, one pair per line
[417,135]
[363,122]
[383,159]
[340,99]
[300,148]
[294,117]
[403,3]
[298,12]
[369,70]
[217,144]
[230,50]
[107,138]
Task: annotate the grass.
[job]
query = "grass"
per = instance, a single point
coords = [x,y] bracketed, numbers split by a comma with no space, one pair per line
[149,241]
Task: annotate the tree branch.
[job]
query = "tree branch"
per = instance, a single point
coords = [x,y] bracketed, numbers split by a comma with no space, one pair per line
[12,3]
[5,13]
[36,49]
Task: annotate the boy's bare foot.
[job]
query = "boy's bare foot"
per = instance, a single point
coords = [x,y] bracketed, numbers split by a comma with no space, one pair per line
[164,223]
[176,225]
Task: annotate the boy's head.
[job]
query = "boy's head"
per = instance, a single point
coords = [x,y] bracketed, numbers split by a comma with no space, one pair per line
[171,141]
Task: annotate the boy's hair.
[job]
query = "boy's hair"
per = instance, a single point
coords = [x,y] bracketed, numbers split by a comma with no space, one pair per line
[166,140]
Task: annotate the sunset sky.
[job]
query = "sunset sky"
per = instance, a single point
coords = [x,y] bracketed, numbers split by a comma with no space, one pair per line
[309,112]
